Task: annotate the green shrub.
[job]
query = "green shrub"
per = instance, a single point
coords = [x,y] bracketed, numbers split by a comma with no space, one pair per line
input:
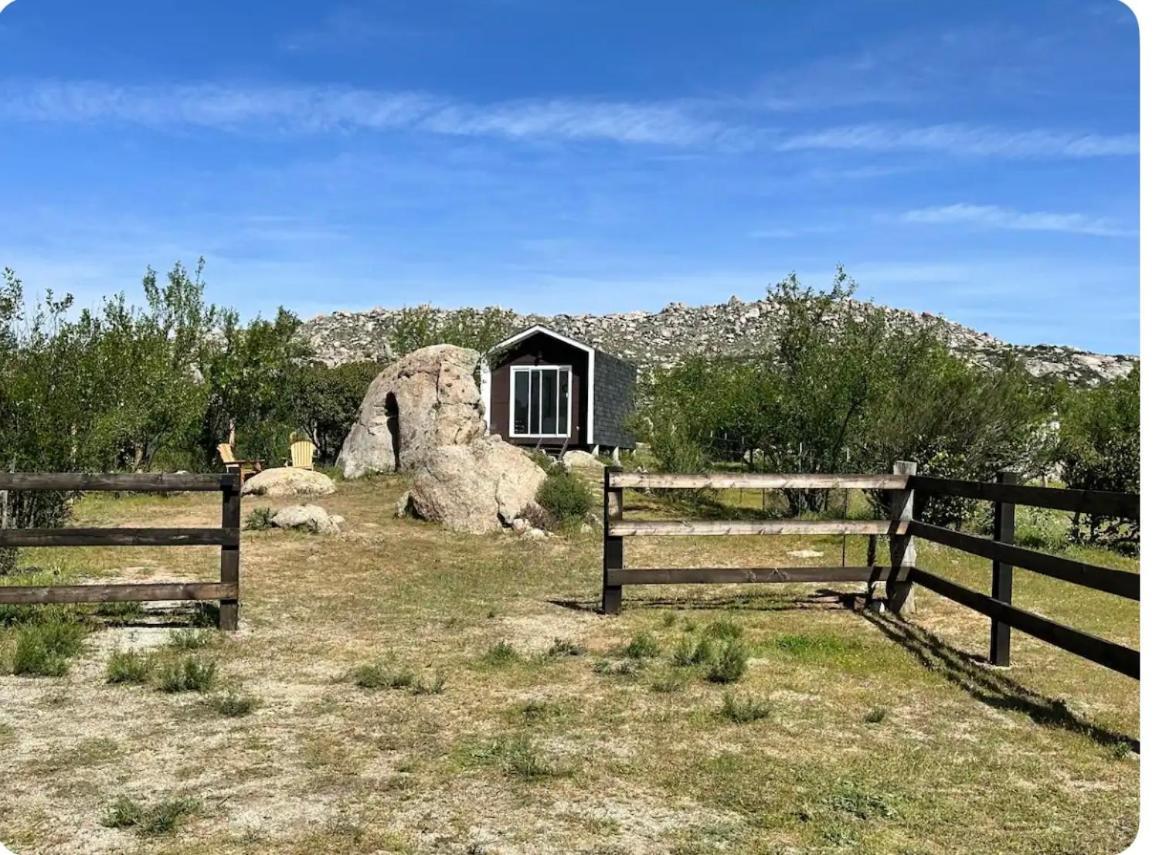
[501,653]
[685,653]
[567,498]
[44,649]
[234,704]
[188,674]
[128,666]
[729,665]
[705,652]
[642,646]
[369,677]
[259,519]
[744,710]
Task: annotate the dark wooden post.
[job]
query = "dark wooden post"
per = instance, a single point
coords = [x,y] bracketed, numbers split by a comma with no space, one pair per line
[230,555]
[902,550]
[613,546]
[1002,575]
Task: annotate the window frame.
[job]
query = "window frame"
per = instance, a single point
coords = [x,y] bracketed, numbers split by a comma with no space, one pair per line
[514,369]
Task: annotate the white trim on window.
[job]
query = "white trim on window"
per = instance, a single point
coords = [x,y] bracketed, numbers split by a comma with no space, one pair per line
[590,351]
[511,401]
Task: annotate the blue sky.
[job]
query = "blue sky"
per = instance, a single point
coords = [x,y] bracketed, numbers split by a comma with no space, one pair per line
[975,159]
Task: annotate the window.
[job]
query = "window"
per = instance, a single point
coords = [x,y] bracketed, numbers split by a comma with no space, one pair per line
[540,400]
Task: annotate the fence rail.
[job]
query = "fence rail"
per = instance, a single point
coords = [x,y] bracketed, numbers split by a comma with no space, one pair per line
[901,573]
[227,536]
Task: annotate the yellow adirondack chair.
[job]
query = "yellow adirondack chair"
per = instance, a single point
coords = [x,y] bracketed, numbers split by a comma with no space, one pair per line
[244,467]
[301,452]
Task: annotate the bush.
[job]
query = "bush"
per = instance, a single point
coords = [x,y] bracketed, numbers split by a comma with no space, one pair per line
[642,646]
[192,639]
[501,653]
[744,710]
[128,666]
[566,497]
[259,519]
[189,674]
[44,649]
[730,664]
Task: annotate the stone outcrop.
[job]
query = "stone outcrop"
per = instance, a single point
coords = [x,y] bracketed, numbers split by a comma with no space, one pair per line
[287,481]
[426,400]
[478,488]
[664,338]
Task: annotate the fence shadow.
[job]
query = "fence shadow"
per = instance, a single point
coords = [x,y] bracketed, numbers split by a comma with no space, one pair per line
[994,688]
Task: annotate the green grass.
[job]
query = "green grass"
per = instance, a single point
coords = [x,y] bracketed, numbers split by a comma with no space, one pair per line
[129,666]
[518,756]
[642,646]
[501,653]
[187,674]
[192,639]
[378,676]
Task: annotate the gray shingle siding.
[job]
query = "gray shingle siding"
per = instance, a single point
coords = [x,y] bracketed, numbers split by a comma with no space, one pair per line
[615,393]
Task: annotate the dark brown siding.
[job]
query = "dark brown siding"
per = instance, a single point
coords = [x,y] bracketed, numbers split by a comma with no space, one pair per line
[540,349]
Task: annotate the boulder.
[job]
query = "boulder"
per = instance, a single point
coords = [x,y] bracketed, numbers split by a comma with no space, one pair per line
[477,488]
[582,461]
[312,518]
[424,401]
[286,481]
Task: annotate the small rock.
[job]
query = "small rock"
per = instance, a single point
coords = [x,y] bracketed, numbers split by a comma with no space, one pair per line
[806,553]
[534,534]
[287,481]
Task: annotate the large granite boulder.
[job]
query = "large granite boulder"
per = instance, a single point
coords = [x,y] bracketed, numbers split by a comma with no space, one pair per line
[287,481]
[478,488]
[426,400]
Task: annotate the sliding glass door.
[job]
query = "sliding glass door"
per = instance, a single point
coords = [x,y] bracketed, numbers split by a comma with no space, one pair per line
[540,400]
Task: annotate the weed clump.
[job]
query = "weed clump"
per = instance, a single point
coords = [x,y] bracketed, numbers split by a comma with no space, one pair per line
[44,649]
[150,820]
[192,639]
[128,667]
[742,710]
[642,646]
[188,674]
[564,647]
[729,665]
[501,653]
[235,704]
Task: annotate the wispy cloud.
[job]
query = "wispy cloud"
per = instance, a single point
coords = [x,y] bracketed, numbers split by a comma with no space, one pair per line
[995,217]
[676,122]
[968,140]
[338,108]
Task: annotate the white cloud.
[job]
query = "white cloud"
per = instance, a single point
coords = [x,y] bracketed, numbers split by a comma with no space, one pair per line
[994,217]
[959,139]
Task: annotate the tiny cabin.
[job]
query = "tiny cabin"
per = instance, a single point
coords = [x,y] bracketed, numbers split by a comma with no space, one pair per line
[543,389]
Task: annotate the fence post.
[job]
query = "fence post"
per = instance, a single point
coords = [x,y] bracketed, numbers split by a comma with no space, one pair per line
[902,550]
[230,555]
[1002,575]
[613,546]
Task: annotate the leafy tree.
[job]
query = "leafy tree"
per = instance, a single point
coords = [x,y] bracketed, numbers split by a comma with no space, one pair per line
[326,400]
[477,329]
[1098,449]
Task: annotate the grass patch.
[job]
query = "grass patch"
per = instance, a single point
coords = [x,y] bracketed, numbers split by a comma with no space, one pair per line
[129,667]
[192,639]
[149,820]
[723,629]
[519,757]
[375,676]
[260,518]
[434,686]
[853,800]
[501,653]
[816,647]
[188,674]
[621,668]
[684,656]
[46,649]
[667,684]
[642,646]
[561,647]
[742,710]
[235,704]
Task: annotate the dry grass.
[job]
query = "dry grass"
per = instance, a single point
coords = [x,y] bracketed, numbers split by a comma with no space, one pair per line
[880,736]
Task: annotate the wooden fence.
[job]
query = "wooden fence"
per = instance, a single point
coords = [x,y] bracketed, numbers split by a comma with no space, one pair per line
[902,572]
[227,536]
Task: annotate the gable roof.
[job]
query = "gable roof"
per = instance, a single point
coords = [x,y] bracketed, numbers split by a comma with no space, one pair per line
[539,329]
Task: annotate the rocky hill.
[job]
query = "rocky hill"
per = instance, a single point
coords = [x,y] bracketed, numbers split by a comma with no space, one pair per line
[659,339]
